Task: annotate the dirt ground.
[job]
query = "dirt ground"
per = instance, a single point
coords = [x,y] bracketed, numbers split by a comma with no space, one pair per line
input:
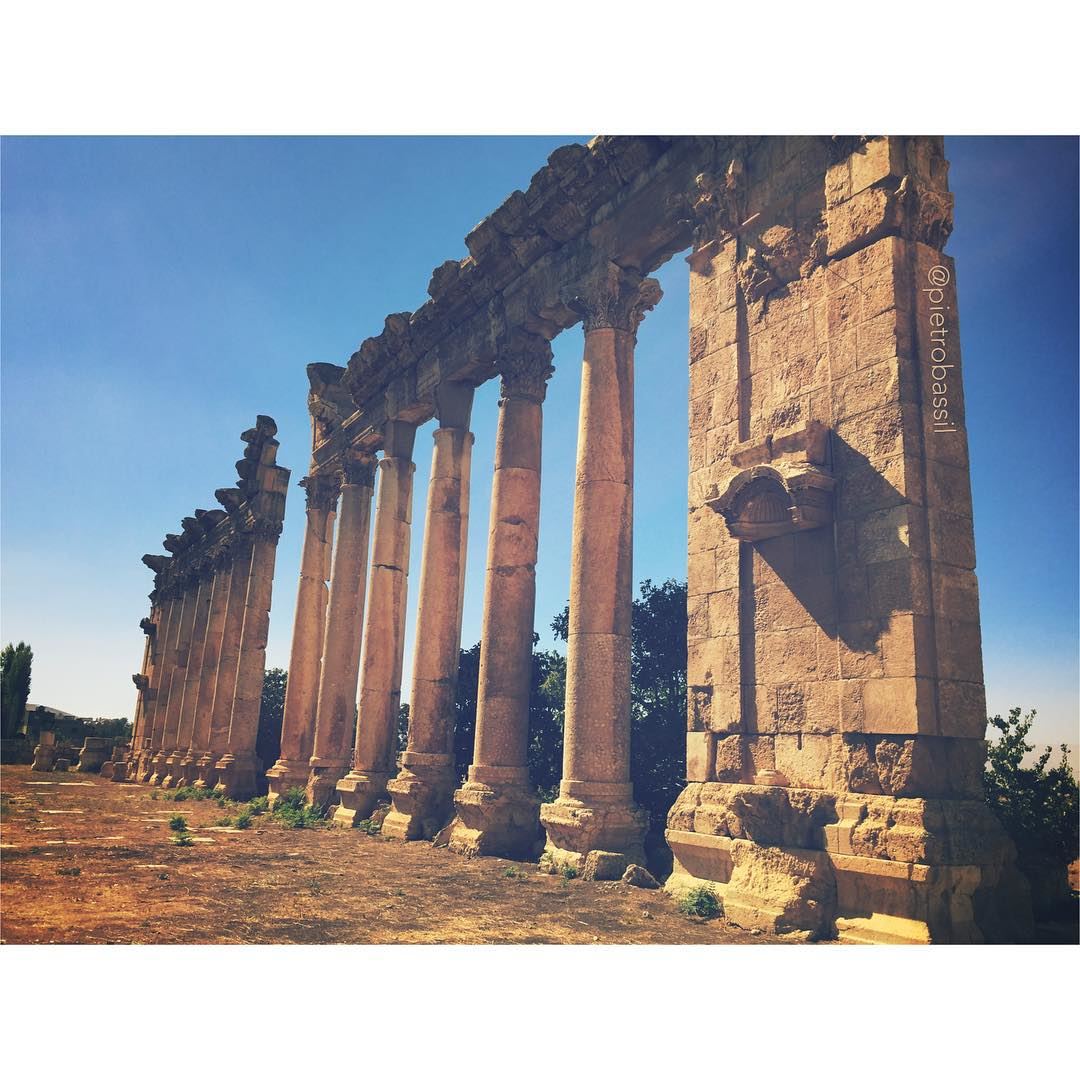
[84,860]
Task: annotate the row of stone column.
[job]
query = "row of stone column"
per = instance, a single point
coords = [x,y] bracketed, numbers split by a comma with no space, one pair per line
[496,810]
[200,687]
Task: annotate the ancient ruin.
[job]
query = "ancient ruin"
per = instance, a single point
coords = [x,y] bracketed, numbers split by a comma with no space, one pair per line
[199,690]
[836,711]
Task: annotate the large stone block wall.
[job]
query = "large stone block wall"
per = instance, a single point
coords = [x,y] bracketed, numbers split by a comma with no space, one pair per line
[835,709]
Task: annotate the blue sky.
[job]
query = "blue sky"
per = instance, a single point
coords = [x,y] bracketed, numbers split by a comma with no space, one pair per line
[158,293]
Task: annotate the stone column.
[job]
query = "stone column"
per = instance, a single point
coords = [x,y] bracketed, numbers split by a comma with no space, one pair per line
[238,766]
[204,703]
[229,655]
[422,793]
[384,630]
[156,706]
[144,697]
[305,660]
[180,640]
[595,811]
[181,772]
[336,702]
[497,810]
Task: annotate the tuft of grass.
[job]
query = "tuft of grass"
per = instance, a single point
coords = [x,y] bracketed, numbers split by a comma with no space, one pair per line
[568,872]
[243,819]
[224,823]
[700,901]
[292,810]
[258,806]
[372,828]
[514,873]
[69,871]
[154,796]
[178,823]
[183,839]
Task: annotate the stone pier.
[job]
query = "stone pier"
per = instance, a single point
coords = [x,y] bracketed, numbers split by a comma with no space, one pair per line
[422,792]
[497,809]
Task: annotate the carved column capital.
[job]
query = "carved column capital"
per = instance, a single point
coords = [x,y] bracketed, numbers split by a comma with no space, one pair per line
[524,363]
[613,297]
[322,490]
[358,467]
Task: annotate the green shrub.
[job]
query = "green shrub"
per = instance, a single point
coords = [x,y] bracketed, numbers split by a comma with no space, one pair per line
[225,822]
[178,823]
[568,872]
[183,839]
[700,901]
[292,810]
[258,806]
[372,828]
[243,819]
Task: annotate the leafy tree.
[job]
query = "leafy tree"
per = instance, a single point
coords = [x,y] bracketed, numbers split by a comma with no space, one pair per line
[15,664]
[271,714]
[1038,806]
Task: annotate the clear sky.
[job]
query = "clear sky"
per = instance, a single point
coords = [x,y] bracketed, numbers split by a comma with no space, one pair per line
[158,293]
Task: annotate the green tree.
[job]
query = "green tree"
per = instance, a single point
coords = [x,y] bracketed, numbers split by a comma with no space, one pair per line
[271,714]
[1037,805]
[15,664]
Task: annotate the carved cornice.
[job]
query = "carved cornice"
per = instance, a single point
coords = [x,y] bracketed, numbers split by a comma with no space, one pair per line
[524,363]
[141,681]
[613,297]
[148,627]
[374,364]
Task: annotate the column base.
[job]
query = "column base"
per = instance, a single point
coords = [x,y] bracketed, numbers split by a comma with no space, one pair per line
[322,780]
[594,828]
[173,777]
[421,796]
[360,793]
[142,767]
[284,775]
[206,771]
[119,772]
[158,768]
[497,814]
[237,776]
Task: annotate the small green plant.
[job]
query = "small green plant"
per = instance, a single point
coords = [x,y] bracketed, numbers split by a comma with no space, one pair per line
[514,873]
[243,819]
[372,828]
[568,872]
[258,806]
[154,796]
[179,795]
[69,871]
[293,811]
[178,823]
[224,823]
[183,839]
[700,901]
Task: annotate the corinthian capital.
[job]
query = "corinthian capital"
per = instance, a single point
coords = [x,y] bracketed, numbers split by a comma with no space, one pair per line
[613,297]
[524,363]
[322,490]
[358,467]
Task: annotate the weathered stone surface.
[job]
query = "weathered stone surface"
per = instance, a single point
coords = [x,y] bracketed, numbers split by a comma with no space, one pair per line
[639,877]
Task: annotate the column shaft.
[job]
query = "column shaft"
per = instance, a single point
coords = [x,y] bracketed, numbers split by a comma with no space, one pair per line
[422,793]
[155,714]
[384,631]
[180,637]
[237,767]
[336,708]
[309,624]
[192,678]
[211,657]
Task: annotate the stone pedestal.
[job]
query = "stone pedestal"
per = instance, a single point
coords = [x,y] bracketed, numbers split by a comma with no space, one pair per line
[384,632]
[45,752]
[497,810]
[422,793]
[302,690]
[94,753]
[336,705]
[595,809]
